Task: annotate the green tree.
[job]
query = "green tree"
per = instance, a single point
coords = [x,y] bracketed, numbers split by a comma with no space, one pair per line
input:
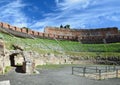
[61,26]
[67,26]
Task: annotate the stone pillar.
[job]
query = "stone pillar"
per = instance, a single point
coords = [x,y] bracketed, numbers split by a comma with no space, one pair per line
[28,67]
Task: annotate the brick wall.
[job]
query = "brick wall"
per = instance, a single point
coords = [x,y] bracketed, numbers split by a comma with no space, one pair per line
[40,34]
[5,25]
[70,34]
[82,34]
[35,33]
[17,29]
[12,27]
[23,30]
[30,32]
[51,36]
[1,24]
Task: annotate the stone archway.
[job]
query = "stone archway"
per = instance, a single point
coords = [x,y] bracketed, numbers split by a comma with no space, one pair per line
[8,58]
[16,60]
[26,63]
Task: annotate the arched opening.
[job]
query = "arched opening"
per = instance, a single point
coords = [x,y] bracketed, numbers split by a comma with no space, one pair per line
[21,64]
[12,60]
[16,61]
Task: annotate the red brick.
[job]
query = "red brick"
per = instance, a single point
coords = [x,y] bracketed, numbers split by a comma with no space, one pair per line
[40,34]
[5,25]
[35,33]
[12,27]
[1,24]
[30,32]
[23,30]
[18,29]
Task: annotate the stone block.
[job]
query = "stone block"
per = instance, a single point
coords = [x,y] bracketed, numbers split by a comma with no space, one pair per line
[6,82]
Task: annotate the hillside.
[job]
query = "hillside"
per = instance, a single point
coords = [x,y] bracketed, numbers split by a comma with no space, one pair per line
[44,46]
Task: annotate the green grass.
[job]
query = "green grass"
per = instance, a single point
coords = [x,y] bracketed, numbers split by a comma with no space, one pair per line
[7,69]
[54,66]
[49,66]
[44,46]
[58,66]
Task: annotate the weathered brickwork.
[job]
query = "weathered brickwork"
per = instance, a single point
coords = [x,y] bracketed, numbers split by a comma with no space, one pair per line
[23,30]
[101,35]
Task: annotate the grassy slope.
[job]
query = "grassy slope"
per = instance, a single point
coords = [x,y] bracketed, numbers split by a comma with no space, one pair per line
[64,47]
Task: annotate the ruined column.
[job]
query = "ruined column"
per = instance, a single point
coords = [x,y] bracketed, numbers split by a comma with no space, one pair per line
[28,67]
[28,64]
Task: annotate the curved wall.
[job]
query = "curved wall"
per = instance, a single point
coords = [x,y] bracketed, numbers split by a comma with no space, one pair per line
[101,35]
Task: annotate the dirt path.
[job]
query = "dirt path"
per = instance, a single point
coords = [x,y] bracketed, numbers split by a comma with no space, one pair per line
[60,76]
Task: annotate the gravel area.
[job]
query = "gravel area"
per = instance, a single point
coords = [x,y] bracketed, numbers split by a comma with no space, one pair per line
[61,76]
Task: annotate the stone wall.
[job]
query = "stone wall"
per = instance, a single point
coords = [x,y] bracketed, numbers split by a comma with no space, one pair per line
[43,59]
[1,55]
[4,59]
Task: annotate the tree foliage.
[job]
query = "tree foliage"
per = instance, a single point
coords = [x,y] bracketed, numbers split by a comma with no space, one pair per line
[61,26]
[66,26]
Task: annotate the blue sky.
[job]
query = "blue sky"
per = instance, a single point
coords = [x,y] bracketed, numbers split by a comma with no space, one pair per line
[37,14]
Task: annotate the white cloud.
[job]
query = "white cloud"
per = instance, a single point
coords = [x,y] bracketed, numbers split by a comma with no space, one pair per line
[77,13]
[83,13]
[11,13]
[72,4]
[68,13]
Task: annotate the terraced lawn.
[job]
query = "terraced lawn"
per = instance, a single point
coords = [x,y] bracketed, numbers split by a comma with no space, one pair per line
[58,47]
